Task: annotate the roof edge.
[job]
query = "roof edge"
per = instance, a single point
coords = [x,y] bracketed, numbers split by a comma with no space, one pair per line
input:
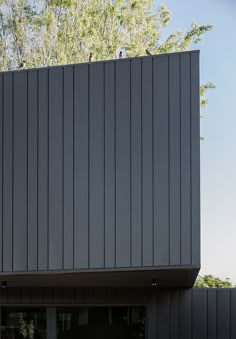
[100,61]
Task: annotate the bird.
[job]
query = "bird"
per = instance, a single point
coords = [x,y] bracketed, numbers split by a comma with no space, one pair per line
[120,55]
[90,57]
[147,52]
[22,64]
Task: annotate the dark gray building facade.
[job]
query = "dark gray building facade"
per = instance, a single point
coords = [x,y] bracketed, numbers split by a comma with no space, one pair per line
[100,203]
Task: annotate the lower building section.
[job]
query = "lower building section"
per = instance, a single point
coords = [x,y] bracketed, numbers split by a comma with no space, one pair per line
[117,313]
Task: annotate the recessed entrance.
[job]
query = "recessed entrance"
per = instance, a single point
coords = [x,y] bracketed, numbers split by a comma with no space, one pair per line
[101,322]
[116,322]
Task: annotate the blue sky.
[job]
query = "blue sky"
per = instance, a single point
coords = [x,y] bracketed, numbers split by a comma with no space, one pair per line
[218,151]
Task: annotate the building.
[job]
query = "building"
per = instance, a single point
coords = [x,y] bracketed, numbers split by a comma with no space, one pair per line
[100,203]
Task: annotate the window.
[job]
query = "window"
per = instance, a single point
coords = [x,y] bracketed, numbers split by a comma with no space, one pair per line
[101,322]
[20,323]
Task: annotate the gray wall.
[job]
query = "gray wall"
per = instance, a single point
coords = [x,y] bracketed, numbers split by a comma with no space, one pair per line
[171,314]
[99,165]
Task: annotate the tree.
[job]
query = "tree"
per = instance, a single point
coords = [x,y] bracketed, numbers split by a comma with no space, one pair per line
[209,281]
[51,32]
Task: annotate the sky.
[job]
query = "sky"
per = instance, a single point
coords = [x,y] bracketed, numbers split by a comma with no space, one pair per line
[218,150]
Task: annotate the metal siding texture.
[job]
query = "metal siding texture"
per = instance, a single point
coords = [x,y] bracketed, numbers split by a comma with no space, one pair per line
[223,314]
[7,172]
[32,168]
[195,159]
[171,314]
[68,164]
[233,313]
[1,166]
[185,179]
[185,317]
[100,165]
[174,314]
[211,314]
[163,315]
[55,168]
[81,167]
[96,169]
[123,168]
[174,158]
[20,154]
[109,184]
[199,314]
[147,162]
[136,164]
[43,163]
[161,161]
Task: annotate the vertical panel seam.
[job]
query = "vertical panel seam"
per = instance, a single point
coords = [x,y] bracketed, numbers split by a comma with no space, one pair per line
[207,315]
[2,179]
[115,160]
[153,177]
[191,300]
[37,168]
[63,170]
[89,166]
[180,163]
[13,130]
[216,315]
[27,172]
[170,318]
[141,179]
[48,94]
[104,171]
[73,173]
[130,161]
[230,320]
[190,131]
[179,318]
[169,207]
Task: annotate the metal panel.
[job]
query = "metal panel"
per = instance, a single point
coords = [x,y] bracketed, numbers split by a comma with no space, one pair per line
[110,246]
[185,317]
[233,313]
[123,213]
[68,165]
[199,314]
[171,314]
[185,153]
[96,169]
[105,164]
[174,156]
[20,172]
[223,314]
[174,314]
[32,170]
[1,165]
[43,161]
[147,162]
[55,168]
[81,167]
[136,163]
[163,315]
[161,160]
[211,314]
[195,159]
[7,171]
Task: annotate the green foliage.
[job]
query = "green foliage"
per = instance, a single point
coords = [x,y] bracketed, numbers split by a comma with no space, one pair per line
[203,91]
[50,32]
[209,281]
[26,329]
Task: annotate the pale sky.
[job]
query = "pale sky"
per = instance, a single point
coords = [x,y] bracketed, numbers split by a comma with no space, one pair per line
[218,151]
